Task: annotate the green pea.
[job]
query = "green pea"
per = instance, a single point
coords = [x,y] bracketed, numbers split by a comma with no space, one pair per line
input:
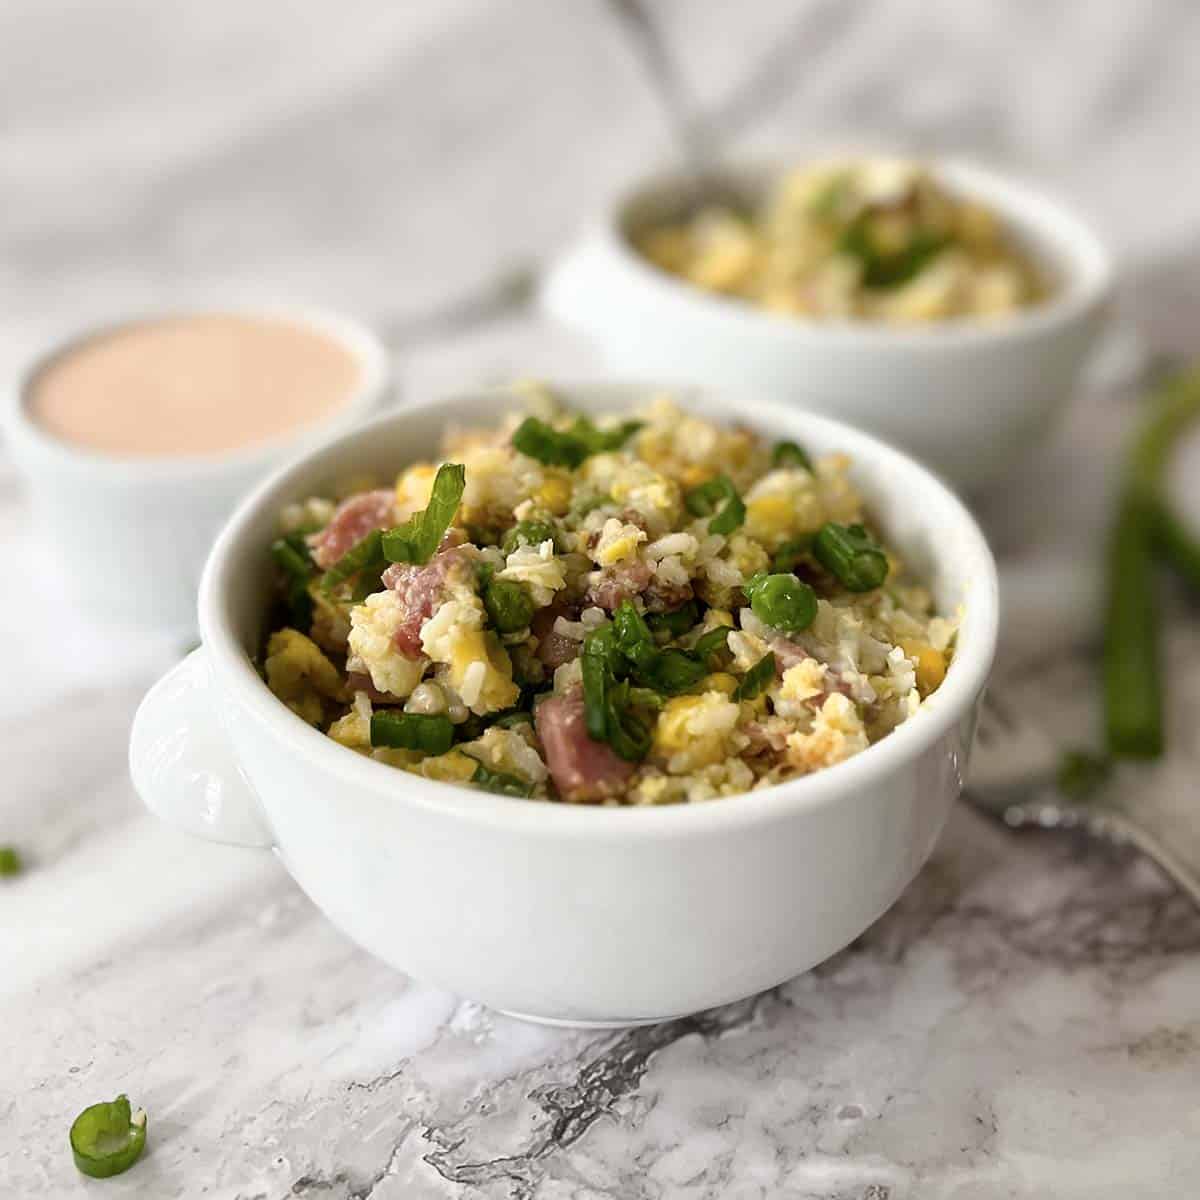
[527,533]
[508,604]
[782,601]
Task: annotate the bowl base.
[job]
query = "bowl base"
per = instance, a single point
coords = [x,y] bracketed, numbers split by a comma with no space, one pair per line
[567,1023]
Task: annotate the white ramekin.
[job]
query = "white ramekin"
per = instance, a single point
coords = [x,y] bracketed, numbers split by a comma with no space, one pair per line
[968,398]
[560,912]
[130,534]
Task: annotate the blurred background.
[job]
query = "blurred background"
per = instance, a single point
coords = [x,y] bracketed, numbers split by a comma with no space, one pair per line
[402,160]
[418,165]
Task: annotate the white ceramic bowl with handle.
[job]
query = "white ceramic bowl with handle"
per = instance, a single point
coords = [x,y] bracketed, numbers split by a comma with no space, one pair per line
[967,397]
[560,912]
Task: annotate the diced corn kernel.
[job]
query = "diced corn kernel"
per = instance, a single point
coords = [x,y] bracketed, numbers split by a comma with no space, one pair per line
[555,493]
[931,664]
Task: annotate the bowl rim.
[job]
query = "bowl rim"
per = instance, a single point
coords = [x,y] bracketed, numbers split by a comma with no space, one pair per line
[131,471]
[964,682]
[1020,203]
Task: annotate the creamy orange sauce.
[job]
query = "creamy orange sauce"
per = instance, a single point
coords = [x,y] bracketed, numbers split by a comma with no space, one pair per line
[198,384]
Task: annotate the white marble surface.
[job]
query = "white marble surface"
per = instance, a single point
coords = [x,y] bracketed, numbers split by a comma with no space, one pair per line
[1024,1023]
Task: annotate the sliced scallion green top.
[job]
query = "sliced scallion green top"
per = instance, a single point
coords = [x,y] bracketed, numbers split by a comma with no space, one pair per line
[572,446]
[108,1138]
[719,496]
[417,540]
[412,731]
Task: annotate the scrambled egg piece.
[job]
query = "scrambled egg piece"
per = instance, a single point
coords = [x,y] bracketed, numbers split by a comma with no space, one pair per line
[837,733]
[539,569]
[300,675]
[373,626]
[617,541]
[478,668]
[354,729]
[693,731]
[452,767]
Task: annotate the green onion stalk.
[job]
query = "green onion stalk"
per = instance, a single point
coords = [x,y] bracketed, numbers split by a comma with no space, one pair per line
[1144,527]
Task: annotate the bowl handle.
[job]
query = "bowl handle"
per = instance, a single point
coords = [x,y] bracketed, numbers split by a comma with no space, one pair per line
[182,764]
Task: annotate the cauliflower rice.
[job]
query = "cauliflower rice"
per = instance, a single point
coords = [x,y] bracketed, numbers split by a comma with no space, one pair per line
[623,612]
[869,239]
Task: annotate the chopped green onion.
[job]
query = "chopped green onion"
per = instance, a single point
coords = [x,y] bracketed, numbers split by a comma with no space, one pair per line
[108,1138]
[1080,773]
[674,624]
[756,678]
[610,707]
[364,558]
[790,454]
[412,731]
[569,447]
[509,605]
[712,642]
[781,601]
[627,733]
[672,671]
[632,635]
[888,270]
[527,533]
[792,551]
[10,862]
[596,667]
[417,540]
[292,556]
[703,500]
[500,783]
[851,555]
[1132,667]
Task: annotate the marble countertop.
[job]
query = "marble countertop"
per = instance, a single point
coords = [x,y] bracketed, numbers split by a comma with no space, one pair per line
[1022,1024]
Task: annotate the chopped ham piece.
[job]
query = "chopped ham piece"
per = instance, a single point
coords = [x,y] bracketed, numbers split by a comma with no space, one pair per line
[352,521]
[619,583]
[582,770]
[421,589]
[554,649]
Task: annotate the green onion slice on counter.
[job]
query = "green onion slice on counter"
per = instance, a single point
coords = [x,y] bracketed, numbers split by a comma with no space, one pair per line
[851,555]
[10,862]
[412,731]
[108,1138]
[417,540]
[756,678]
[718,496]
[781,601]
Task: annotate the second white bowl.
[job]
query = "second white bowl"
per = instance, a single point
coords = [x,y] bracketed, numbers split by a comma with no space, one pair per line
[966,397]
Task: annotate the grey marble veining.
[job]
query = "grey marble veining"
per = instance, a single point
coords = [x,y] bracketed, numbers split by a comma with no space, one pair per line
[1023,1023]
